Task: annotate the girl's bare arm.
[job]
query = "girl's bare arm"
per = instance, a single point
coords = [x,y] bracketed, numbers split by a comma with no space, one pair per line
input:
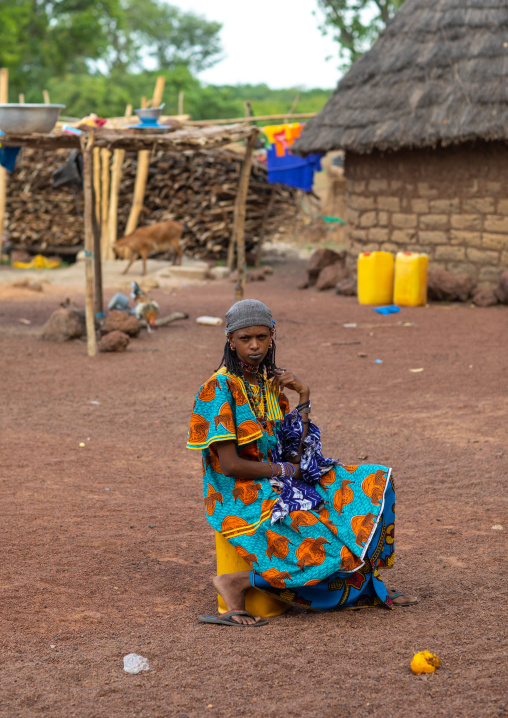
[233,465]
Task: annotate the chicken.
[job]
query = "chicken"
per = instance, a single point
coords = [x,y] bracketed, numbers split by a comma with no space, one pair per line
[146,309]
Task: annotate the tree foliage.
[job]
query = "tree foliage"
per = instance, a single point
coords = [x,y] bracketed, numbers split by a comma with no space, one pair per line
[109,95]
[100,55]
[153,34]
[42,40]
[355,24]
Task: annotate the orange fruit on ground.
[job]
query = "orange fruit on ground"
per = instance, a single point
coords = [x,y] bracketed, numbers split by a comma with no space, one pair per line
[424,662]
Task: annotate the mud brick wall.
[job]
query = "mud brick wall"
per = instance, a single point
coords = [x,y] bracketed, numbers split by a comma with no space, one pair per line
[451,203]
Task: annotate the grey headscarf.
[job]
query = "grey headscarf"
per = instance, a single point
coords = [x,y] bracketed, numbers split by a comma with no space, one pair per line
[248,313]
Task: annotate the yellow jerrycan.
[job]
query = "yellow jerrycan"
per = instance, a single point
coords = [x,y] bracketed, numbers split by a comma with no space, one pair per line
[410,288]
[256,602]
[375,278]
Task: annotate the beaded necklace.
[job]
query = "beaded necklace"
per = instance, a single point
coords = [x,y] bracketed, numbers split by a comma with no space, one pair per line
[255,400]
[257,371]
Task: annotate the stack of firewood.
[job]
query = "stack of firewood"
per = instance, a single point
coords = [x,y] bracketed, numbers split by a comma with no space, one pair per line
[195,188]
[36,214]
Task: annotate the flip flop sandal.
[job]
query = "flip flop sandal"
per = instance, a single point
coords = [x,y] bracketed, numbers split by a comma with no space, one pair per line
[396,594]
[224,619]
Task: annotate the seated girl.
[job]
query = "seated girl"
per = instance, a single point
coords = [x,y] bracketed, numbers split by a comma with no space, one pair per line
[315,532]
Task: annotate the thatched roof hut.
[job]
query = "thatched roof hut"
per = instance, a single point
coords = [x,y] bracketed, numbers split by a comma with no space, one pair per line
[423,120]
[436,75]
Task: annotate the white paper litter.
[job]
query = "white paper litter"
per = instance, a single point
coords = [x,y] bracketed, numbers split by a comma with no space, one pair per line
[132,663]
[211,321]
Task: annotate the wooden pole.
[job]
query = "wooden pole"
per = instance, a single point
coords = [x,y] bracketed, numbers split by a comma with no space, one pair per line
[239,216]
[97,183]
[87,149]
[4,85]
[96,228]
[116,176]
[142,169]
[21,98]
[139,191]
[4,98]
[97,268]
[292,108]
[45,94]
[105,158]
[180,102]
[295,102]
[262,232]
[252,118]
[158,91]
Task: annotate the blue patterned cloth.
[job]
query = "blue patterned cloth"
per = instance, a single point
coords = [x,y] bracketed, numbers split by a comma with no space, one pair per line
[299,494]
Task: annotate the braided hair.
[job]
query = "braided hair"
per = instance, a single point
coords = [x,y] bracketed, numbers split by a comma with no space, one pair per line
[232,363]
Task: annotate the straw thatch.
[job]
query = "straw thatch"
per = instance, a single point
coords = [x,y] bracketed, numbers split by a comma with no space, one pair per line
[437,75]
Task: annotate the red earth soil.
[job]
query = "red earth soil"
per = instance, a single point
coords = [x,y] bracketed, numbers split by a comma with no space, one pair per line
[107,551]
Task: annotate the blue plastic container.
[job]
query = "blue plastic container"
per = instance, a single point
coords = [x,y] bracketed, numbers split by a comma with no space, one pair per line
[292,170]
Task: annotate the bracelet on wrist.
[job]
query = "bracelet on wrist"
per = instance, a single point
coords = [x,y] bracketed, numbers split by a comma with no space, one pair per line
[304,407]
[290,469]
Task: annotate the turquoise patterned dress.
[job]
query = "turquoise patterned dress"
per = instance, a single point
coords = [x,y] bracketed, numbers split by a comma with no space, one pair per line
[320,559]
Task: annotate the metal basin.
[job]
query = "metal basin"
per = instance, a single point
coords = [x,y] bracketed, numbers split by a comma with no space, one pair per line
[24,119]
[149,114]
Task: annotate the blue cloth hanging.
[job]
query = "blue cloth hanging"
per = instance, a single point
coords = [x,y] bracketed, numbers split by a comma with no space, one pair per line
[292,170]
[8,156]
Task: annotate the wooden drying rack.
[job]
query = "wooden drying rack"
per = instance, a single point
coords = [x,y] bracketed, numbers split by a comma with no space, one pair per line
[96,145]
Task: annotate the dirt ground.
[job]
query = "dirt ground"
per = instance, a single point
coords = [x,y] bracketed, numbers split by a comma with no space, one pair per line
[107,551]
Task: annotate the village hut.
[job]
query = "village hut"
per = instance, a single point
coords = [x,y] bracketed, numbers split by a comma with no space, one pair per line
[423,120]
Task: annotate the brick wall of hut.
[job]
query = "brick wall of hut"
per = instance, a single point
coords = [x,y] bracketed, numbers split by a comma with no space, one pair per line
[451,203]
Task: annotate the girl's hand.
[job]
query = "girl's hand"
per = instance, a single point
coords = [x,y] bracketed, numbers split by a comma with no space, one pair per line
[285,379]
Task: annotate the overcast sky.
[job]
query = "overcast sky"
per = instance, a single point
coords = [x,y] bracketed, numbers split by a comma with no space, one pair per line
[276,42]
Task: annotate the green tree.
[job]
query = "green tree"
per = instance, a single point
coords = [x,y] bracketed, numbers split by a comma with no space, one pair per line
[46,40]
[41,39]
[182,38]
[100,55]
[108,95]
[355,24]
[152,34]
